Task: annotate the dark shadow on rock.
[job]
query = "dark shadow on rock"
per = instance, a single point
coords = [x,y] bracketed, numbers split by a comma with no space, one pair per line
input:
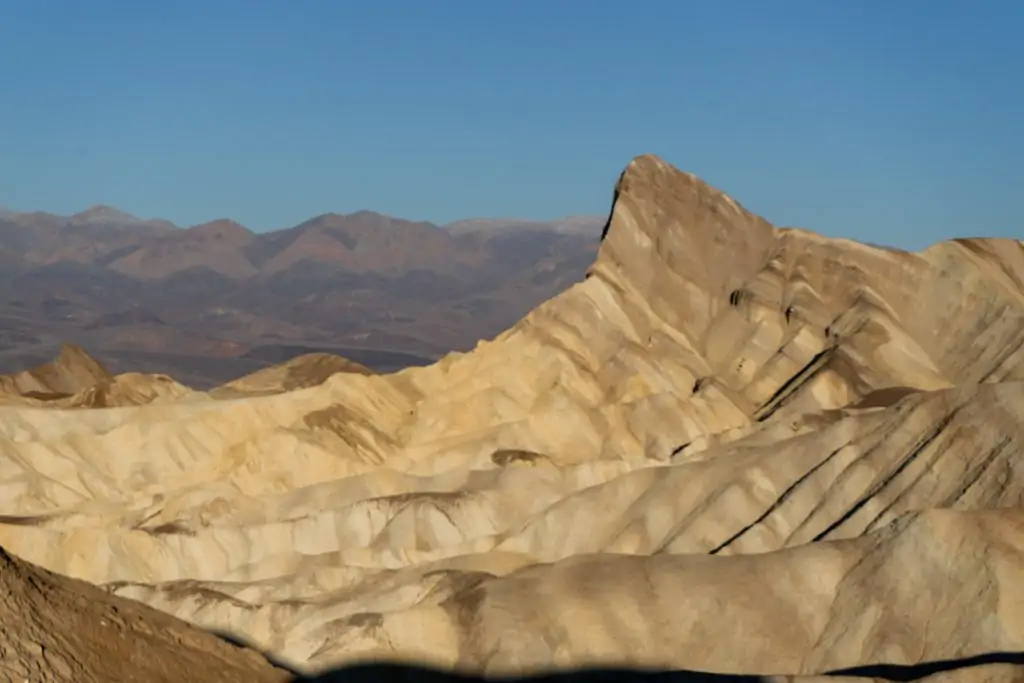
[403,673]
[241,642]
[914,672]
[615,198]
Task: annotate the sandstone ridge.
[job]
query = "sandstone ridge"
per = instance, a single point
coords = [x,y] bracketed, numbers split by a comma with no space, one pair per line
[732,448]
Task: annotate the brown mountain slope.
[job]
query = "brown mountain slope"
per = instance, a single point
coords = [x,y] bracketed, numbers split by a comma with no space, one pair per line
[731,448]
[218,246]
[85,237]
[364,241]
[58,630]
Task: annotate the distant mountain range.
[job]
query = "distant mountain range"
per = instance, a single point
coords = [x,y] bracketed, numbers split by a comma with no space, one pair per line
[213,301]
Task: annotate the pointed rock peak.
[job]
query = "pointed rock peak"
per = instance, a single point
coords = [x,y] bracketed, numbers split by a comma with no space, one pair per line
[648,177]
[74,357]
[647,164]
[668,226]
[70,372]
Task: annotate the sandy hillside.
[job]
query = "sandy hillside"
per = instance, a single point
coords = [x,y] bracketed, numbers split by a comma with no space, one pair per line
[733,448]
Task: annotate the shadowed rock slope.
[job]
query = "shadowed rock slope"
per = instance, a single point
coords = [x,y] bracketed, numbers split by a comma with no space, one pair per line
[732,448]
[56,630]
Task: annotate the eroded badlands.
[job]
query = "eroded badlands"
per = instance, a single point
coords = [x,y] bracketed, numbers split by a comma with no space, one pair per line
[733,448]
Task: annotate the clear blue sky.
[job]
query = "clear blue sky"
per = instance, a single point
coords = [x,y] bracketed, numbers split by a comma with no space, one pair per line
[897,121]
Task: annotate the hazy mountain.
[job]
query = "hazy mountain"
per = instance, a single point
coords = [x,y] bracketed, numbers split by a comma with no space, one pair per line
[384,290]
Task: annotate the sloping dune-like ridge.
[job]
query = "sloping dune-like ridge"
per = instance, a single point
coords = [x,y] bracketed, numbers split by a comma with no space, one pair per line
[303,371]
[732,448]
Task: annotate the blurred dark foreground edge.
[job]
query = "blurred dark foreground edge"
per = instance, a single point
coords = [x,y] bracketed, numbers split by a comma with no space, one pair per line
[403,673]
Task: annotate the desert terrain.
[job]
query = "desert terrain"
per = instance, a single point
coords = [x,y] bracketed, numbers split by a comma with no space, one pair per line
[728,447]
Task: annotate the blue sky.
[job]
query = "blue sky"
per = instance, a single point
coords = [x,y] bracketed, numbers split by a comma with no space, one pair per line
[890,121]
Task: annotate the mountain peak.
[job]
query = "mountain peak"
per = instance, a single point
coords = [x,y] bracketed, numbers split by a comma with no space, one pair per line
[667,226]
[103,212]
[221,228]
[109,216]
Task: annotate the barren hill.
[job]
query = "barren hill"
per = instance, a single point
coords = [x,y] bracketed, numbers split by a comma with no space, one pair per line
[731,448]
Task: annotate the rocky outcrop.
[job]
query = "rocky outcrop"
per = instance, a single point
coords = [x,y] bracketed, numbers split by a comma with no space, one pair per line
[307,370]
[70,372]
[77,380]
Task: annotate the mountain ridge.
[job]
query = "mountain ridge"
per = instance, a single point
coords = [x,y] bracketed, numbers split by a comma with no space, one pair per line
[104,212]
[334,283]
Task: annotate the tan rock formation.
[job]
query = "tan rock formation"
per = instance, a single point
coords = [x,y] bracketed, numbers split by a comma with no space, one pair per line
[72,371]
[733,448]
[77,380]
[308,370]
